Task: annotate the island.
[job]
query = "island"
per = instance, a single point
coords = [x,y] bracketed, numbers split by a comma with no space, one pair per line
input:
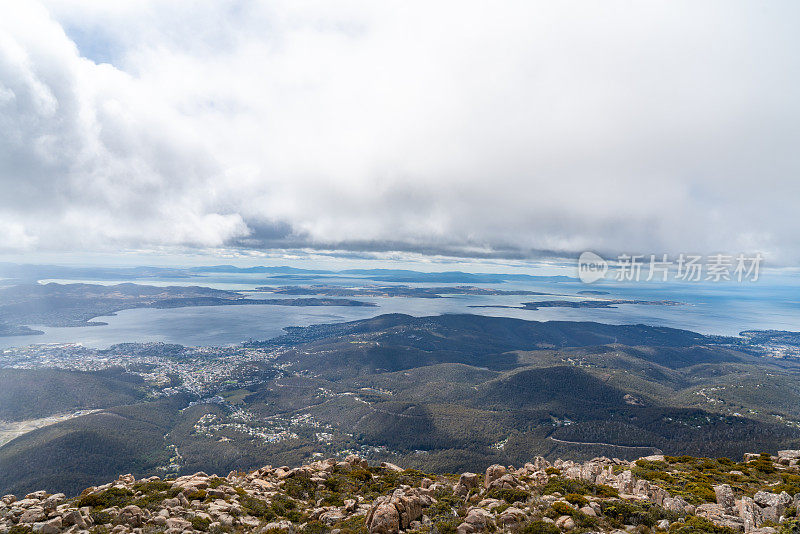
[61,305]
[606,303]
[393,291]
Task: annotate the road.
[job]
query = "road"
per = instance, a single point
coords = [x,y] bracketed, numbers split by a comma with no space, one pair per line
[631,447]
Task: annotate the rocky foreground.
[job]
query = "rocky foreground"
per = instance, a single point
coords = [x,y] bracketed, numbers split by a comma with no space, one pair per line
[656,493]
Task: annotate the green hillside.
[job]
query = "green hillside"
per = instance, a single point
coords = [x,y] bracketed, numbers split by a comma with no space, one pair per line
[442,394]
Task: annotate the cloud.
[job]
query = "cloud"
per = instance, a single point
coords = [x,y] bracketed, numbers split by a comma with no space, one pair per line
[504,130]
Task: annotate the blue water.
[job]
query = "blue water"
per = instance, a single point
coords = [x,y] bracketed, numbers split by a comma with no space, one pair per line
[726,309]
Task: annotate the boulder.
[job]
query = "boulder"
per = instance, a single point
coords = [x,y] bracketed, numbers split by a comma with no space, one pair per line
[506,481]
[478,517]
[466,482]
[725,496]
[675,504]
[565,522]
[331,517]
[391,467]
[764,499]
[642,488]
[772,505]
[171,503]
[476,520]
[538,464]
[52,501]
[750,513]
[48,527]
[132,515]
[405,505]
[284,526]
[470,480]
[384,519]
[590,470]
[493,472]
[789,454]
[33,515]
[626,483]
[573,472]
[588,510]
[511,516]
[73,517]
[178,523]
[350,505]
[658,494]
[356,461]
[719,515]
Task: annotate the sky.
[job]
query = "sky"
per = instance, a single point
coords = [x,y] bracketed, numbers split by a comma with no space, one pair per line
[504,131]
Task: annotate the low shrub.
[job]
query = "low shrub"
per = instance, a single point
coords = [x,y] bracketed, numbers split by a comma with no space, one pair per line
[215,482]
[200,523]
[788,527]
[562,508]
[105,499]
[655,465]
[539,527]
[698,525]
[196,495]
[446,526]
[630,513]
[299,487]
[763,464]
[315,527]
[704,492]
[100,518]
[352,525]
[257,507]
[789,483]
[153,486]
[576,499]
[508,495]
[566,486]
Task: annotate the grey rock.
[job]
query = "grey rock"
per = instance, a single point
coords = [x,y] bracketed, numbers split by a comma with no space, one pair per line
[675,504]
[750,514]
[493,472]
[725,497]
[73,517]
[384,519]
[33,515]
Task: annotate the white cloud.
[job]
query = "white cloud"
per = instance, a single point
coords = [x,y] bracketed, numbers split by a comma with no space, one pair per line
[654,127]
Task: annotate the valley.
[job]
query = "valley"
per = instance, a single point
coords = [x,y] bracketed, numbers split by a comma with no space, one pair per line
[439,393]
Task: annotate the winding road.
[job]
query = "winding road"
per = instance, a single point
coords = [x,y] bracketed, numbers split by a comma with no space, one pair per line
[632,447]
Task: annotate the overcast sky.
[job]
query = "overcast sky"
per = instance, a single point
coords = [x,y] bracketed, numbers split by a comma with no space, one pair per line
[486,129]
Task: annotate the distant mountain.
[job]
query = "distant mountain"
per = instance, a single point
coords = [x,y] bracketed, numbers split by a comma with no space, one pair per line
[281,269]
[32,273]
[484,334]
